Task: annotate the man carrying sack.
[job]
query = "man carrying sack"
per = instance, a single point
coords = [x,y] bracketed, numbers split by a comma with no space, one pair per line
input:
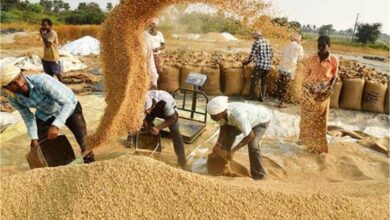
[55,106]
[160,104]
[236,118]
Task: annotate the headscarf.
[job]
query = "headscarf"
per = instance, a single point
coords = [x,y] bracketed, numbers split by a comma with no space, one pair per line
[154,20]
[296,37]
[8,74]
[217,105]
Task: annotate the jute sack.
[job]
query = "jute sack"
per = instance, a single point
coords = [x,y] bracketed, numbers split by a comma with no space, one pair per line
[335,97]
[387,101]
[212,86]
[185,71]
[294,90]
[374,96]
[169,79]
[234,80]
[248,70]
[351,94]
[272,82]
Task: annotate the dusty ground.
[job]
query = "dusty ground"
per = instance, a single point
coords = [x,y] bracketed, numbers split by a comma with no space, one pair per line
[349,171]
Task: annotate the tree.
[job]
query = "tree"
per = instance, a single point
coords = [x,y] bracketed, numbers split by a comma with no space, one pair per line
[82,6]
[7,4]
[92,6]
[109,6]
[326,30]
[283,21]
[295,25]
[368,33]
[46,4]
[37,8]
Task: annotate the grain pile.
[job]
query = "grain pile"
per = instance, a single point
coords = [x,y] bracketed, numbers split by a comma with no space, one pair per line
[137,187]
[351,69]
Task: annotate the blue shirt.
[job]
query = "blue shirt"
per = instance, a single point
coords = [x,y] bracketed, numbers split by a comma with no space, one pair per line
[49,97]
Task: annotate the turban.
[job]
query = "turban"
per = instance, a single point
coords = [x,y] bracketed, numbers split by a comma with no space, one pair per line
[296,37]
[148,102]
[8,74]
[217,105]
[153,20]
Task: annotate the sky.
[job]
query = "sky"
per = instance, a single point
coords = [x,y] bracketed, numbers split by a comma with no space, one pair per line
[340,13]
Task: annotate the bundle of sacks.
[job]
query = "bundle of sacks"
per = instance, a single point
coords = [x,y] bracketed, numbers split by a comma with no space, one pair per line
[360,88]
[225,74]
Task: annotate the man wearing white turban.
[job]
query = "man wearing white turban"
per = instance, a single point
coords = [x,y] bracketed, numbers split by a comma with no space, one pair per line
[55,104]
[240,118]
[160,104]
[157,42]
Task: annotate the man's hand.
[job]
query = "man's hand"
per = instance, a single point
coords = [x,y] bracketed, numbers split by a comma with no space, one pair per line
[52,133]
[42,31]
[34,143]
[154,131]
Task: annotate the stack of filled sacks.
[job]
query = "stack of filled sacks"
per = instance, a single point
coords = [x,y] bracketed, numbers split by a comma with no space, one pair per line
[360,88]
[225,74]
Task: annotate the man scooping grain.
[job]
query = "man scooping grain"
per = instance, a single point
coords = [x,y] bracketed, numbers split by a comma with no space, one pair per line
[240,118]
[160,104]
[55,106]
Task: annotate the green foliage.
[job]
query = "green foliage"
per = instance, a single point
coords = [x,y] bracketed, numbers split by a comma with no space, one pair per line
[283,21]
[368,33]
[8,17]
[57,10]
[37,8]
[295,25]
[326,30]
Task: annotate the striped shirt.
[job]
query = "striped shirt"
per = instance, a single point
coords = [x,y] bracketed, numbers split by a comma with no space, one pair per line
[49,97]
[262,54]
[245,116]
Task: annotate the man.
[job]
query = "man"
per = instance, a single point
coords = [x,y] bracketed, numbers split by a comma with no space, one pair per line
[291,54]
[51,57]
[55,106]
[160,104]
[322,69]
[157,43]
[240,118]
[262,54]
[150,64]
